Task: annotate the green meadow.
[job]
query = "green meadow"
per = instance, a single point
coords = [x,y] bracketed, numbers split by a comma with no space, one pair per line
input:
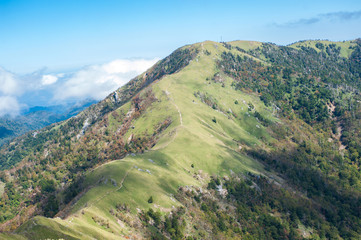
[201,141]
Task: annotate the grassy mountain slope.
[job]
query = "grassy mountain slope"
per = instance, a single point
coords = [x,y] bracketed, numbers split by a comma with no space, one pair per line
[172,137]
[212,147]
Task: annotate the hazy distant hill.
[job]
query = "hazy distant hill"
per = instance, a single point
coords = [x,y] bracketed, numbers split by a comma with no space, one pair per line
[37,117]
[237,140]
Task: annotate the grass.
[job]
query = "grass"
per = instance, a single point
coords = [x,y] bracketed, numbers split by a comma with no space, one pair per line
[155,114]
[43,228]
[192,139]
[11,236]
[113,123]
[246,45]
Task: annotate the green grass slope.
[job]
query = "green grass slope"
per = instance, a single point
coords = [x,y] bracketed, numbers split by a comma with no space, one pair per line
[246,45]
[201,141]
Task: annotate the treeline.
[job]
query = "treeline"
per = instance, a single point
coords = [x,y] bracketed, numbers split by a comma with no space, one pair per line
[323,89]
[283,87]
[331,189]
[54,164]
[254,207]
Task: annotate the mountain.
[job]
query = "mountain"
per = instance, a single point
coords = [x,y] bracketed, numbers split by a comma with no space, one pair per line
[237,140]
[37,117]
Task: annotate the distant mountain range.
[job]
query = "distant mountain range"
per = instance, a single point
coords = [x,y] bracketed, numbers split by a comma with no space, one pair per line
[38,117]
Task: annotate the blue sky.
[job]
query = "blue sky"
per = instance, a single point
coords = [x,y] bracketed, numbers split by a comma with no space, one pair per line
[62,34]
[56,51]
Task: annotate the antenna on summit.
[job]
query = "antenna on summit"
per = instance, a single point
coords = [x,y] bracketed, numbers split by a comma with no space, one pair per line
[221,38]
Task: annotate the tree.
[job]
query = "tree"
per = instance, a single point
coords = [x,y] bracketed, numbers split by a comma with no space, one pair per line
[320,46]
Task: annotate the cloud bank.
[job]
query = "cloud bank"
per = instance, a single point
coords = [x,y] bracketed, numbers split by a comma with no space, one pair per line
[9,89]
[48,79]
[97,81]
[9,106]
[91,82]
[8,82]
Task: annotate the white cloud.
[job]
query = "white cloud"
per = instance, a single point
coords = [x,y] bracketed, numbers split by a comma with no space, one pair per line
[8,82]
[9,105]
[97,81]
[92,82]
[124,66]
[9,89]
[49,79]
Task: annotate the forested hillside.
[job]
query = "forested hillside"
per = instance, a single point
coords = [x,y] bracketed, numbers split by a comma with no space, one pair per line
[237,140]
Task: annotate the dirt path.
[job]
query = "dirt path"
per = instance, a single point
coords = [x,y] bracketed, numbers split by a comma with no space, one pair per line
[65,212]
[180,120]
[176,106]
[111,191]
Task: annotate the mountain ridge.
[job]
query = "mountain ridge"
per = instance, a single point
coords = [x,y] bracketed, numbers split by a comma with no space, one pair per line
[208,113]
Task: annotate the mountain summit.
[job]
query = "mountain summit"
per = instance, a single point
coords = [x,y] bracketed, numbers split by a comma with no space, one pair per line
[216,141]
